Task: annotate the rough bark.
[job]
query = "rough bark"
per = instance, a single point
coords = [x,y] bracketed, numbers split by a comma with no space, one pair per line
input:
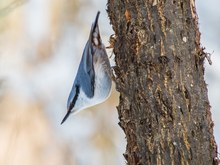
[164,108]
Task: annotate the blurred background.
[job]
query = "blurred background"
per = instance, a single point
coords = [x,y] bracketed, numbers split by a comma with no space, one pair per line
[41,43]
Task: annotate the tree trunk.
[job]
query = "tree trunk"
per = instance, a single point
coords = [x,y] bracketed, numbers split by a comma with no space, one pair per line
[164,108]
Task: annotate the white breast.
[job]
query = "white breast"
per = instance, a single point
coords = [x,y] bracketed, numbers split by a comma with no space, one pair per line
[102,89]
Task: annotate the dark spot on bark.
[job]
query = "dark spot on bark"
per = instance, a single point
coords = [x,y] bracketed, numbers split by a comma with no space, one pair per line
[211,124]
[142,121]
[189,106]
[177,59]
[163,59]
[121,125]
[136,158]
[125,156]
[182,33]
[188,21]
[155,38]
[191,154]
[169,74]
[193,133]
[187,97]
[157,119]
[149,129]
[201,126]
[168,23]
[197,62]
[128,26]
[179,89]
[181,110]
[181,5]
[186,93]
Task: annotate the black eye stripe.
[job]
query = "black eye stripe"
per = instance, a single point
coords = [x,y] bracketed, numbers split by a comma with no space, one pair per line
[75,98]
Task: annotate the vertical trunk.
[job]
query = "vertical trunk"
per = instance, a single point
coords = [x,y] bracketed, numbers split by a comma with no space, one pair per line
[164,109]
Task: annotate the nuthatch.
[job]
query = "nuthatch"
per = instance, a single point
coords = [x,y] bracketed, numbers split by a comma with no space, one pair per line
[93,82]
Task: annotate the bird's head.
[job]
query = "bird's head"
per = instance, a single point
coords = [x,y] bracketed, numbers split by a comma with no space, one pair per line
[71,101]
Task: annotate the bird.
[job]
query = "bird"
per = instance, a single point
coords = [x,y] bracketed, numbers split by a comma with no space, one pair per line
[92,84]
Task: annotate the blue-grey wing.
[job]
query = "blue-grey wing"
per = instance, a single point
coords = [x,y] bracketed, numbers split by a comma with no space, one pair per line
[86,73]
